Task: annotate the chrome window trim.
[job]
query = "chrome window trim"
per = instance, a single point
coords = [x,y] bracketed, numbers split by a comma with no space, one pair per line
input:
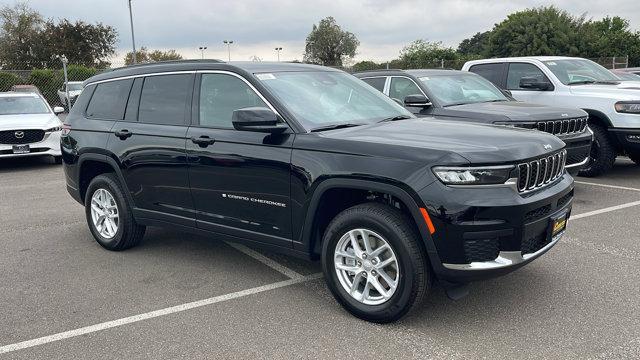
[141,75]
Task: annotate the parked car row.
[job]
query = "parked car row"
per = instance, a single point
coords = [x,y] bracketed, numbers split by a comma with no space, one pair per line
[313,162]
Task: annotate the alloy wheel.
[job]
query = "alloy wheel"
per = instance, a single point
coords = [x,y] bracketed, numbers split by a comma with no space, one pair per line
[104,213]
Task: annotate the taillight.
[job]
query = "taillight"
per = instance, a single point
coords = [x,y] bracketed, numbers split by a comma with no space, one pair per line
[66,129]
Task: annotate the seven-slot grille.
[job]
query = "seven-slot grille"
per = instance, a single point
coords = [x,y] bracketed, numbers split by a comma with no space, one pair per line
[540,172]
[21,136]
[563,127]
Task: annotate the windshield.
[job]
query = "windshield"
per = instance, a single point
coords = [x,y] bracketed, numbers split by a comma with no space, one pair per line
[321,98]
[579,71]
[12,105]
[627,76]
[458,89]
[75,87]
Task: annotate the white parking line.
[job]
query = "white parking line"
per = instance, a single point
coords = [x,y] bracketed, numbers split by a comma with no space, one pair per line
[604,210]
[265,260]
[153,314]
[607,186]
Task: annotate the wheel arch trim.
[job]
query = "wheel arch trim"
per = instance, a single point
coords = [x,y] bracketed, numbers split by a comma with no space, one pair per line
[105,159]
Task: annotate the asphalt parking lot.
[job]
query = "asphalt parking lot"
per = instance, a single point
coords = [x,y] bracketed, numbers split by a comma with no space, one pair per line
[182,296]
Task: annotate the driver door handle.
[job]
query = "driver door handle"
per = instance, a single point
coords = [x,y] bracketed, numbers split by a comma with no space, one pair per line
[203,141]
[123,134]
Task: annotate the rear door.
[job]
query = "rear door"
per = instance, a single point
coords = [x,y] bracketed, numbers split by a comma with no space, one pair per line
[150,146]
[240,181]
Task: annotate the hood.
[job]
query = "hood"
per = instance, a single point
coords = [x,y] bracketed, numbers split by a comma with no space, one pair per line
[625,90]
[479,144]
[510,110]
[29,121]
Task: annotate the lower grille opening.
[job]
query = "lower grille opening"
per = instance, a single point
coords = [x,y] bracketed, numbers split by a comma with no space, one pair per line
[565,199]
[537,213]
[481,249]
[534,243]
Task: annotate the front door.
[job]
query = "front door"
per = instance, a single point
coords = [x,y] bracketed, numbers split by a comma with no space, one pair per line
[240,180]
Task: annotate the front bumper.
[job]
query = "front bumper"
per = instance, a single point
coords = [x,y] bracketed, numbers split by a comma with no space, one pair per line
[578,150]
[629,139]
[49,145]
[488,232]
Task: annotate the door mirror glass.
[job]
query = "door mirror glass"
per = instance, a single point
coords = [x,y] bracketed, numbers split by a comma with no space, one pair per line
[417,100]
[259,119]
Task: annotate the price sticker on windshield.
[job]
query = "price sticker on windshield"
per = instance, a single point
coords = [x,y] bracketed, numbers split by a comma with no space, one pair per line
[266,76]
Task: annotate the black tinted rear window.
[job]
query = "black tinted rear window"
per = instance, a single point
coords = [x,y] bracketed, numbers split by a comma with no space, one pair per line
[376,82]
[491,72]
[109,100]
[164,99]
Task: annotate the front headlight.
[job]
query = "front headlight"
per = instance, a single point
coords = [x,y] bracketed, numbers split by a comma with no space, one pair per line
[630,107]
[473,175]
[54,129]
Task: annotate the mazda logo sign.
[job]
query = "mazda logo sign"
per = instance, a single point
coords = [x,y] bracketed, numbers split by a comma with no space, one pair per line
[18,134]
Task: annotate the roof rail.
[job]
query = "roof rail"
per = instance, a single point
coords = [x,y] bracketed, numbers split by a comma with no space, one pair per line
[168,62]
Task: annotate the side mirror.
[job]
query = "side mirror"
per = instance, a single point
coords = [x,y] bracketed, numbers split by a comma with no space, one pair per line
[58,110]
[506,93]
[534,83]
[258,119]
[416,100]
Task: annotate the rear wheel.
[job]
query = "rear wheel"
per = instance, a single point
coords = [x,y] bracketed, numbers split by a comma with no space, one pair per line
[373,262]
[109,216]
[603,153]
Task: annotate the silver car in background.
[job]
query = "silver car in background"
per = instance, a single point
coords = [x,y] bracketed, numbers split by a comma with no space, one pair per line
[75,88]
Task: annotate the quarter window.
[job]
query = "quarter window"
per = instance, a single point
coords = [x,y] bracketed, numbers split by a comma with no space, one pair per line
[519,70]
[164,99]
[220,95]
[376,82]
[402,87]
[109,100]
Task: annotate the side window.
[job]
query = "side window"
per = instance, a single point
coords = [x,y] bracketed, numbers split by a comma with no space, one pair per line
[376,82]
[402,87]
[109,100]
[220,95]
[491,72]
[164,98]
[519,70]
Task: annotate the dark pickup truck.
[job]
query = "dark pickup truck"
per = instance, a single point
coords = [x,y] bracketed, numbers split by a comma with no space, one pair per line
[465,96]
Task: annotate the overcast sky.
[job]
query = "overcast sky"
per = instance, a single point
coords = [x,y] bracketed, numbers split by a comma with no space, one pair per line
[257,27]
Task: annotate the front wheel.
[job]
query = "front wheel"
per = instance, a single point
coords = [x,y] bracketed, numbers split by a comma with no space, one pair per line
[109,216]
[603,153]
[373,262]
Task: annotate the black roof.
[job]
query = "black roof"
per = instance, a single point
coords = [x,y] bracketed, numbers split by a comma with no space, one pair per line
[187,65]
[414,72]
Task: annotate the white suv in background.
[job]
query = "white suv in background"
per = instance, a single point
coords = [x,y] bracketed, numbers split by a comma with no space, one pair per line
[28,126]
[613,105]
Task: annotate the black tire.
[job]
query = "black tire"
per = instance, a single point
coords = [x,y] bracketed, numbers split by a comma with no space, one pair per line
[129,233]
[57,160]
[414,280]
[635,157]
[603,153]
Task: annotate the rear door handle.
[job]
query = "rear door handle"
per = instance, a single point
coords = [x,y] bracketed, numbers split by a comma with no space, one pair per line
[203,141]
[123,134]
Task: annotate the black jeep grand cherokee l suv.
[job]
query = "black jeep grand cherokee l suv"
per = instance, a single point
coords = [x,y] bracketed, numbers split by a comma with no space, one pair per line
[313,162]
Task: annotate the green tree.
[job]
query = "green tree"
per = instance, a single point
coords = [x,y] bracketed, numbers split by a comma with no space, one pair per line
[327,44]
[7,80]
[537,31]
[610,36]
[475,45]
[367,65]
[84,44]
[143,55]
[425,54]
[20,39]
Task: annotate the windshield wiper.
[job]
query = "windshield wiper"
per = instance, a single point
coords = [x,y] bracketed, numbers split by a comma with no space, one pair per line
[396,118]
[334,127]
[580,82]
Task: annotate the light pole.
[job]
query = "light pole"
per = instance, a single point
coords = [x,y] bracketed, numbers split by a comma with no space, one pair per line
[66,80]
[228,43]
[202,49]
[133,39]
[278,49]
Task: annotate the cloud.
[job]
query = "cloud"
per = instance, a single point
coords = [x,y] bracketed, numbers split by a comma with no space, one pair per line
[382,26]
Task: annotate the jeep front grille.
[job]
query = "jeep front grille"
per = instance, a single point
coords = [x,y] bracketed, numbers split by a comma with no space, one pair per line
[540,172]
[563,127]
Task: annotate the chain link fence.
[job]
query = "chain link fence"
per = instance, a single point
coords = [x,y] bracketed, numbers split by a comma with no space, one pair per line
[47,81]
